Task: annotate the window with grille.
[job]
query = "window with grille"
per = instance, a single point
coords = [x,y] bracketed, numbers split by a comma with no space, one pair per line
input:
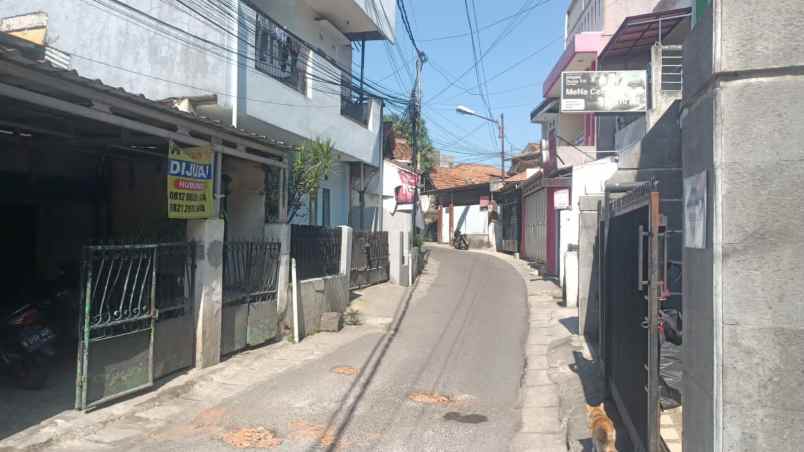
[280,54]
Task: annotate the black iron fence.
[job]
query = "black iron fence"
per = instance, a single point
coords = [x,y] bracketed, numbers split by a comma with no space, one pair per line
[370,259]
[317,251]
[250,287]
[250,271]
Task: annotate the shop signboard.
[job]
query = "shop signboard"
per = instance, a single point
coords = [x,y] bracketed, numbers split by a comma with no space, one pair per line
[189,182]
[561,199]
[604,91]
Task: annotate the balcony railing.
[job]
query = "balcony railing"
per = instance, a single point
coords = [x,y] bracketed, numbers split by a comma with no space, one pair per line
[281,55]
[587,17]
[355,108]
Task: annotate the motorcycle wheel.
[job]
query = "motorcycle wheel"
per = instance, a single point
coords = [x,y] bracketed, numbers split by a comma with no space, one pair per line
[30,373]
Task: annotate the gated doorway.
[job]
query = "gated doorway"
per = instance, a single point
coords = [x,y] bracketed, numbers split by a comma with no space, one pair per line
[136,324]
[370,259]
[250,283]
[632,276]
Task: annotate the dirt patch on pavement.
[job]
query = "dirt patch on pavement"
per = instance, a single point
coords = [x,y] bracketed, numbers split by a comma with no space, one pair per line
[305,431]
[345,370]
[429,398]
[252,438]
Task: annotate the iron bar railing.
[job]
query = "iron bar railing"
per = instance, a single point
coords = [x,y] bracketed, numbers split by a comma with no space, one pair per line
[281,55]
[370,259]
[317,251]
[250,271]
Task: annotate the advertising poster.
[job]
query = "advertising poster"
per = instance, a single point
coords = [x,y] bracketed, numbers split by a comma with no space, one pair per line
[695,211]
[604,92]
[189,182]
[404,192]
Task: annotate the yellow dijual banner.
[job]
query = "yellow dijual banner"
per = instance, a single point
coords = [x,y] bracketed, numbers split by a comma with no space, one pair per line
[189,182]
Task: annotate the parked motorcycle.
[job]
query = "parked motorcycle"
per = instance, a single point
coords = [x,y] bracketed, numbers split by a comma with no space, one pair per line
[26,346]
[459,241]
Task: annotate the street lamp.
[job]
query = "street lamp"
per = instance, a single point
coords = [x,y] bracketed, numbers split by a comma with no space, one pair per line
[464,110]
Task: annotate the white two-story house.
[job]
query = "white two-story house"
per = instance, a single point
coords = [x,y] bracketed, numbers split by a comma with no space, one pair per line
[279,68]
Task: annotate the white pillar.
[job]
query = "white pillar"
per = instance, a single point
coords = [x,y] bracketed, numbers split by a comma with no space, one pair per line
[208,289]
[396,256]
[346,252]
[280,232]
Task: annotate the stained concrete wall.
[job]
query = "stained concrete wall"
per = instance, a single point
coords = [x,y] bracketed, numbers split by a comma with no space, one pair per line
[327,294]
[317,296]
[106,43]
[743,333]
[588,297]
[245,202]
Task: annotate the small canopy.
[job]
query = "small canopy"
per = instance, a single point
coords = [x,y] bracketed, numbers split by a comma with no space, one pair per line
[641,32]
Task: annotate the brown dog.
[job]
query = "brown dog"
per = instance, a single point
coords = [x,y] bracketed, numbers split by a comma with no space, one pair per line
[601,426]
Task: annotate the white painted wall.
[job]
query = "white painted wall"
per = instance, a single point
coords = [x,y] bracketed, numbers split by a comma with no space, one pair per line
[470,220]
[588,179]
[293,115]
[129,54]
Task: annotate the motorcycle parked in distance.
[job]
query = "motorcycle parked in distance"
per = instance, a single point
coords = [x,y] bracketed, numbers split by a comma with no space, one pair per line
[26,346]
[459,241]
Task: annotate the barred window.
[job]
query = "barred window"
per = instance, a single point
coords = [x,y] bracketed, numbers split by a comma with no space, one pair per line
[281,55]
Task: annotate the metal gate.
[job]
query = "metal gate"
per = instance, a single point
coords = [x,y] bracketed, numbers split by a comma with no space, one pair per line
[535,224]
[250,278]
[631,278]
[370,259]
[123,288]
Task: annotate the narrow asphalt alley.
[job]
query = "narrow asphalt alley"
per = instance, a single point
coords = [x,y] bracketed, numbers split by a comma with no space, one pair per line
[446,376]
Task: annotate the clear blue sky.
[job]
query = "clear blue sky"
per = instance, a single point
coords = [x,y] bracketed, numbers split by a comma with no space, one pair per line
[514,93]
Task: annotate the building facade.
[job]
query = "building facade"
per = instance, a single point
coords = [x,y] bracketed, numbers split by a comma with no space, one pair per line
[280,69]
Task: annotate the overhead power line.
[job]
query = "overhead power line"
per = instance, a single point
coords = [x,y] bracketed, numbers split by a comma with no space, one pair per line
[483,28]
[527,7]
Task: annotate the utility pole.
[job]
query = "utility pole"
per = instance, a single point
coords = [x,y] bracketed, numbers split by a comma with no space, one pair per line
[502,147]
[421,58]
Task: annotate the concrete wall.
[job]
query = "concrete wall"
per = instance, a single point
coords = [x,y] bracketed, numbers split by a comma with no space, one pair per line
[629,134]
[317,296]
[588,296]
[744,338]
[471,220]
[588,179]
[245,202]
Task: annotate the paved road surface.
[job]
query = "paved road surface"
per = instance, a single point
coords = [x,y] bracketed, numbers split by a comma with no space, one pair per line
[461,336]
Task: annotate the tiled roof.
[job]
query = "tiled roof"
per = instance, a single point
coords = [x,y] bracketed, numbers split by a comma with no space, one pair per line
[518,177]
[467,174]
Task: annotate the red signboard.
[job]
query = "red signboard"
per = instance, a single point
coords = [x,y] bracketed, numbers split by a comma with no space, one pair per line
[404,192]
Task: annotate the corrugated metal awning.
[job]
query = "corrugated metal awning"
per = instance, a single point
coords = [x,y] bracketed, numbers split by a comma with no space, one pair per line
[642,31]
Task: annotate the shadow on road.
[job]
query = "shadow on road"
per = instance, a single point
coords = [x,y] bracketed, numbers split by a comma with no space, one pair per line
[339,421]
